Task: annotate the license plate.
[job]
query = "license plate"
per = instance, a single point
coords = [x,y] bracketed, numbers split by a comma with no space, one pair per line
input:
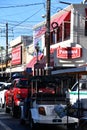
[57,120]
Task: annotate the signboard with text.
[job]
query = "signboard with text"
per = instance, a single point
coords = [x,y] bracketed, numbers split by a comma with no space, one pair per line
[16,55]
[69,52]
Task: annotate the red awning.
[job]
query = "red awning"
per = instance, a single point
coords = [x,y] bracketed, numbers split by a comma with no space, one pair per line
[63,17]
[59,20]
[33,61]
[42,62]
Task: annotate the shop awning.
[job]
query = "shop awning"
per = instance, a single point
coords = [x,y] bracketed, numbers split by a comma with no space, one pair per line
[63,17]
[33,61]
[77,70]
[15,69]
[41,62]
[59,20]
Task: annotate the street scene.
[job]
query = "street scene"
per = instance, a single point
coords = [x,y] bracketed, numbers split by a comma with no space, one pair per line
[7,122]
[43,74]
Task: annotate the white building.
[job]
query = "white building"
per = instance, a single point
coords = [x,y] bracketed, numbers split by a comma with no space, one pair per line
[68,42]
[21,49]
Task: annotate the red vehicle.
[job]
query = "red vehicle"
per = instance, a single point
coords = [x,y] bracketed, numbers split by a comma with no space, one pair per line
[15,96]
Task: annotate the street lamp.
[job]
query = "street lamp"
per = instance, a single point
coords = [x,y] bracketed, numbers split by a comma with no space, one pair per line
[37,62]
[10,58]
[1,59]
[1,63]
[37,50]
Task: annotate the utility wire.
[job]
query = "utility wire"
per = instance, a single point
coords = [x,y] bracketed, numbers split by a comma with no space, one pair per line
[23,20]
[27,18]
[15,6]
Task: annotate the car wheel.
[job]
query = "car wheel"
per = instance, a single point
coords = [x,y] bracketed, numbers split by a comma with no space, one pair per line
[13,111]
[2,105]
[31,123]
[7,110]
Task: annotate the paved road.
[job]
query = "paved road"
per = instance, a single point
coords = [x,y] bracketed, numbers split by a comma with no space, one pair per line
[7,122]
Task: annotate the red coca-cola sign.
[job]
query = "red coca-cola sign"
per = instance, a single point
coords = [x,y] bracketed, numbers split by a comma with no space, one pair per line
[69,52]
[16,55]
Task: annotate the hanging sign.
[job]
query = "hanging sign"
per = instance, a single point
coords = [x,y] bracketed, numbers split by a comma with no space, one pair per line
[69,52]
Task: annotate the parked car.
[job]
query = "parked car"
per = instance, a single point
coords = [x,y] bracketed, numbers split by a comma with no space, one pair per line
[15,96]
[3,88]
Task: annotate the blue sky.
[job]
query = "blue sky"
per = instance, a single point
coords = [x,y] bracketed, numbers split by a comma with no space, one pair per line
[22,15]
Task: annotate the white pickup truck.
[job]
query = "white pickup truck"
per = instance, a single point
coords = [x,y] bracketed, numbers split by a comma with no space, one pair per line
[46,105]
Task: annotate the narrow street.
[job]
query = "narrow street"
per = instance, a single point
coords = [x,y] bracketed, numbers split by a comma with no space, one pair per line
[9,123]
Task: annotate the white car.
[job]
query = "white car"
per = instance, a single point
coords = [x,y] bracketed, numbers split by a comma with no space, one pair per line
[3,88]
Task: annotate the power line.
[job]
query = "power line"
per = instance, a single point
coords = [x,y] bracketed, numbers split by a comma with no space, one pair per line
[27,18]
[15,6]
[65,2]
[18,24]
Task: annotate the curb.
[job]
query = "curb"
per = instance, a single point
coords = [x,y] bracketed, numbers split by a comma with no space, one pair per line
[4,127]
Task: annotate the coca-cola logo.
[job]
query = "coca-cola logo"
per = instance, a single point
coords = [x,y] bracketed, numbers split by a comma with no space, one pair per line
[16,55]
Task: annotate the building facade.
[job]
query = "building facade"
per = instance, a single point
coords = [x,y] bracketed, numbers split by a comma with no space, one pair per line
[19,54]
[68,37]
[68,32]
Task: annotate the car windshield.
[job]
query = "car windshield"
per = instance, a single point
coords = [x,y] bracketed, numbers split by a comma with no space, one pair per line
[75,87]
[22,84]
[81,85]
[49,85]
[47,89]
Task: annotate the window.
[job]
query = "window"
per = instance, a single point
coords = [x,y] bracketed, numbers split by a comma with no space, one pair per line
[51,37]
[66,30]
[22,83]
[86,27]
[86,22]
[83,87]
[59,34]
[75,87]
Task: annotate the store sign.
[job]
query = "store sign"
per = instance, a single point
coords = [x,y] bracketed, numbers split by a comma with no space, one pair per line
[69,52]
[16,55]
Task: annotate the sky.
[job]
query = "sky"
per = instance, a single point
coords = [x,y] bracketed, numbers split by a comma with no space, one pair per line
[22,15]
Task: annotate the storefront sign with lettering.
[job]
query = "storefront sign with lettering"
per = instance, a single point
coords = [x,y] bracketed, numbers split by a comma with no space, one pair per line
[69,52]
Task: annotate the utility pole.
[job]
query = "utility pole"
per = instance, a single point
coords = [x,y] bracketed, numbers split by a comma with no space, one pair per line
[6,44]
[47,35]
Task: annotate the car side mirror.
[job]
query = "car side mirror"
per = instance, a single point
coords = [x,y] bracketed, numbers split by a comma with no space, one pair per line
[0,88]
